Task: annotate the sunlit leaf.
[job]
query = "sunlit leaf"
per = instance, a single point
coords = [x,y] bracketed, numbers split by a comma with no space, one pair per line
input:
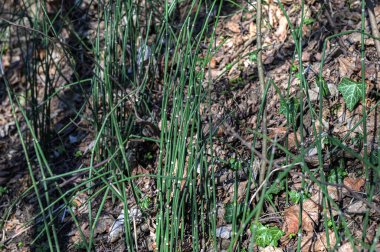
[352,92]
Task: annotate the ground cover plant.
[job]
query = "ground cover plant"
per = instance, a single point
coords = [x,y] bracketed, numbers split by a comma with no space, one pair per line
[178,125]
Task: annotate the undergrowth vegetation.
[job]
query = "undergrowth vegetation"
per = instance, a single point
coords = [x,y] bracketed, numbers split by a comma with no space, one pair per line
[129,139]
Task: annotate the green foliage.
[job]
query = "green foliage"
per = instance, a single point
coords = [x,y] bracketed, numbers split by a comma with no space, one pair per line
[144,203]
[229,66]
[229,213]
[78,154]
[295,196]
[3,190]
[323,86]
[253,56]
[352,92]
[235,164]
[298,76]
[294,68]
[266,235]
[336,175]
[80,245]
[237,81]
[330,223]
[373,158]
[309,21]
[292,235]
[275,189]
[148,156]
[290,107]
[228,216]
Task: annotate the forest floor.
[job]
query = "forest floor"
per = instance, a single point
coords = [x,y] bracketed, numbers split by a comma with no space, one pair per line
[326,141]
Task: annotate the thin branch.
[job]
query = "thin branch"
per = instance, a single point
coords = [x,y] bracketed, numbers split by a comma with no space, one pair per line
[373,22]
[260,69]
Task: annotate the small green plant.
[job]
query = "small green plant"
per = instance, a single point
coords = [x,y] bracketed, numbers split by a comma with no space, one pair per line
[290,107]
[3,190]
[80,245]
[298,75]
[292,235]
[330,223]
[336,175]
[144,203]
[229,213]
[323,85]
[275,189]
[253,56]
[295,196]
[352,92]
[235,164]
[78,154]
[373,157]
[20,244]
[148,156]
[229,66]
[357,140]
[238,81]
[266,235]
[309,21]
[294,68]
[229,208]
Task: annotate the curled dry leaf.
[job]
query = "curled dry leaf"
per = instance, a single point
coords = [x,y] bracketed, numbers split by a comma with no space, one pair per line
[310,215]
[354,184]
[117,229]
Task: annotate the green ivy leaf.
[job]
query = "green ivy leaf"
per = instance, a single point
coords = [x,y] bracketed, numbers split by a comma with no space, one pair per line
[351,91]
[266,235]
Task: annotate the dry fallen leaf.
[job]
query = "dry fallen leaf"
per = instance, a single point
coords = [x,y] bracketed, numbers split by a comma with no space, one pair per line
[354,184]
[270,249]
[252,30]
[310,215]
[282,30]
[318,243]
[347,247]
[357,208]
[213,63]
[280,132]
[346,66]
[233,26]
